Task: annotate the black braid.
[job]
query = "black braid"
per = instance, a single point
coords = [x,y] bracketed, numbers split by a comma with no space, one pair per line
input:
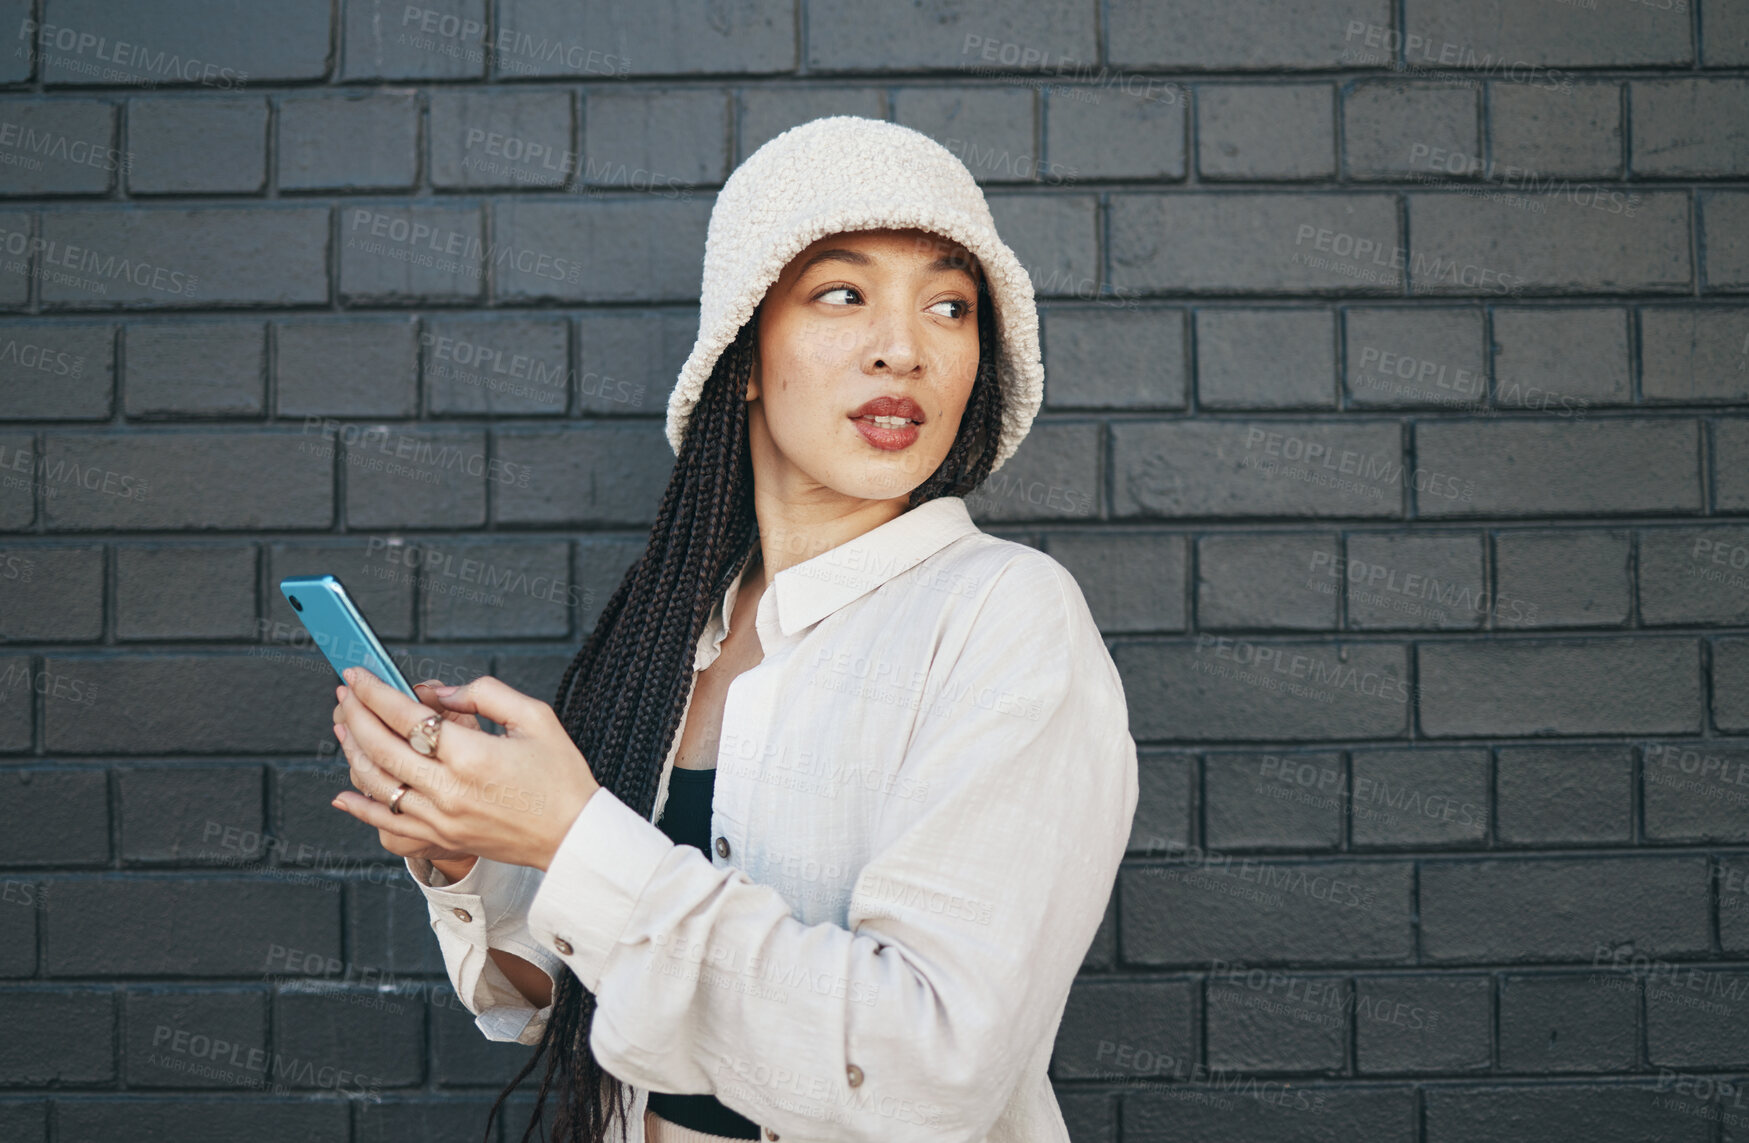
[623,695]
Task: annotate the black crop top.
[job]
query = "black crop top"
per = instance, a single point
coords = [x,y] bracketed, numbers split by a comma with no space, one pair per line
[686,818]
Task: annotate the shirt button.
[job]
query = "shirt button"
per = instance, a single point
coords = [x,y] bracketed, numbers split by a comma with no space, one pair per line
[563,945]
[723,851]
[854,1075]
[463,916]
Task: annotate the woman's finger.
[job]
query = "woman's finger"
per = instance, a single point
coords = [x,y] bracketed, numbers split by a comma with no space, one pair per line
[368,778]
[394,708]
[379,817]
[398,712]
[497,700]
[427,695]
[391,754]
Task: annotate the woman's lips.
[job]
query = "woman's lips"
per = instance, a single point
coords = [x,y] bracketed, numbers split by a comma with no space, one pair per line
[886,438]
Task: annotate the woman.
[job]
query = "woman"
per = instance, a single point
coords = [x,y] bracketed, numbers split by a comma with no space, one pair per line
[898,745]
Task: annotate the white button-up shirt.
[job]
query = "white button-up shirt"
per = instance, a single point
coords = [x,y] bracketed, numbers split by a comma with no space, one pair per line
[923,793]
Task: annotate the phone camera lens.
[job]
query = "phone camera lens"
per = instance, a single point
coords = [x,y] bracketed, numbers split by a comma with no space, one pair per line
[295,603]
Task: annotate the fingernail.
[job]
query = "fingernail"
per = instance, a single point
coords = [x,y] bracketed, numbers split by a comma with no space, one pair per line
[445,691]
[338,804]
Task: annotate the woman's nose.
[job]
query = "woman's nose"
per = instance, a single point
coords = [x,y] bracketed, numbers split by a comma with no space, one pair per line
[893,347]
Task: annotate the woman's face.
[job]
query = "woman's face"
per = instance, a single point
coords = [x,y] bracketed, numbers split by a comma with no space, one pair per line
[862,328]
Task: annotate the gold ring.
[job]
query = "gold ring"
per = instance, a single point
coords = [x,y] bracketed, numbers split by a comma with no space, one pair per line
[395,798]
[423,737]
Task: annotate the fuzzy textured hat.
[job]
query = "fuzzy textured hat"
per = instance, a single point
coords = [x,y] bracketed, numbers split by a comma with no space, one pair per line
[844,173]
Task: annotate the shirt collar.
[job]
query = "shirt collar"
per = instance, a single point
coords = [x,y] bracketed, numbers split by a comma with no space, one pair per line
[808,592]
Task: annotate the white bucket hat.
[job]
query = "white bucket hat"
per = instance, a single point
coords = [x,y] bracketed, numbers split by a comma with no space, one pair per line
[844,173]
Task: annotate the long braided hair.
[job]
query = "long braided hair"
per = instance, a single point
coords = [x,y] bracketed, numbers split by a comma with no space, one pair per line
[622,697]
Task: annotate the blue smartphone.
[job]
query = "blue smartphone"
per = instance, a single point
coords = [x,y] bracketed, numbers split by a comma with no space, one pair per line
[340,630]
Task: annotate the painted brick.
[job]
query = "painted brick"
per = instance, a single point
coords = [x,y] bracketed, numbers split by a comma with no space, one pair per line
[171,257]
[217,46]
[1265,359]
[1725,232]
[1261,582]
[1235,468]
[57,371]
[1265,131]
[1561,361]
[1250,34]
[511,139]
[1131,582]
[1414,581]
[434,39]
[1586,242]
[202,369]
[1104,357]
[1526,468]
[362,142]
[1393,129]
[69,147]
[1555,36]
[1691,356]
[1690,127]
[1564,795]
[231,157]
[1571,132]
[1426,357]
[1562,578]
[1255,243]
[1592,686]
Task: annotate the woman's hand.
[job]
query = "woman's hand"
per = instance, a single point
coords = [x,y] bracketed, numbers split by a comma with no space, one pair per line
[400,844]
[509,797]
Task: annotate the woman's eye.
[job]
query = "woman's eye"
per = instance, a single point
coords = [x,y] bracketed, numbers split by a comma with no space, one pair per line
[959,313]
[836,290]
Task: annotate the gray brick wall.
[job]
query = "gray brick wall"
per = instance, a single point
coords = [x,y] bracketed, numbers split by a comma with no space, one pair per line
[1396,430]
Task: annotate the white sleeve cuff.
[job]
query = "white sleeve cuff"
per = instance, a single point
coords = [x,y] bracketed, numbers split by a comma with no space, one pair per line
[593,883]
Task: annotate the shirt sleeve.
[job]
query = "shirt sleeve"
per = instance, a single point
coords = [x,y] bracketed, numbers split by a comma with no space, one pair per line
[487,909]
[966,927]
